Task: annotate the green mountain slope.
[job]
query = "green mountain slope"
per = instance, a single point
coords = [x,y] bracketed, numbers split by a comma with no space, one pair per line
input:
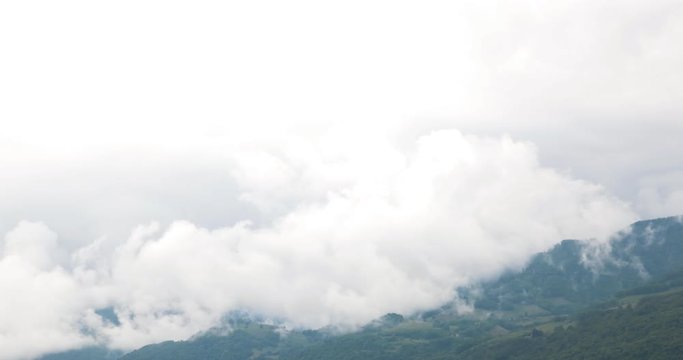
[650,329]
[575,274]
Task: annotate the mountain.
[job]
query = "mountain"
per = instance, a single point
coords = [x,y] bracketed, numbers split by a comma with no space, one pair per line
[547,294]
[649,328]
[89,353]
[575,274]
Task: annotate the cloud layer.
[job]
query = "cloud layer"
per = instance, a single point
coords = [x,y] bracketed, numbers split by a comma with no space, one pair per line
[365,233]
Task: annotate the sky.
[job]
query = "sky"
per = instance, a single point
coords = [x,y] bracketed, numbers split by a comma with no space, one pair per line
[314,163]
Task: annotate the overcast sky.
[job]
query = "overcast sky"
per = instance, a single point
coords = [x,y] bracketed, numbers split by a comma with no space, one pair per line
[326,159]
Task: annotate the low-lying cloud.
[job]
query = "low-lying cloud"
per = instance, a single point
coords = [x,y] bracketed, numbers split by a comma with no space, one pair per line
[353,232]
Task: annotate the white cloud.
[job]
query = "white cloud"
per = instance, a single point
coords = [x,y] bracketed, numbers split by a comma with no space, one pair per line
[33,243]
[662,194]
[395,237]
[42,305]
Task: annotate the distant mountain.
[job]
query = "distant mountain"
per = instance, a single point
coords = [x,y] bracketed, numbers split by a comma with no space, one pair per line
[555,285]
[90,353]
[575,274]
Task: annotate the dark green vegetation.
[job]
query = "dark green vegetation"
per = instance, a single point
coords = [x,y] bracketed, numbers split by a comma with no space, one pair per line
[574,301]
[650,329]
[246,341]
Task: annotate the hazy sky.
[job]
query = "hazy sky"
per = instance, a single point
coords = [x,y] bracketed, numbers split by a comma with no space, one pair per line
[314,162]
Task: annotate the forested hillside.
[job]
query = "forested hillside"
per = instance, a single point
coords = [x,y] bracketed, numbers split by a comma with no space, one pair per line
[650,329]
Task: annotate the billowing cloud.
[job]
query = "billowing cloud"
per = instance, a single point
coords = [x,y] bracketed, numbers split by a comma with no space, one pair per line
[370,229]
[42,303]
